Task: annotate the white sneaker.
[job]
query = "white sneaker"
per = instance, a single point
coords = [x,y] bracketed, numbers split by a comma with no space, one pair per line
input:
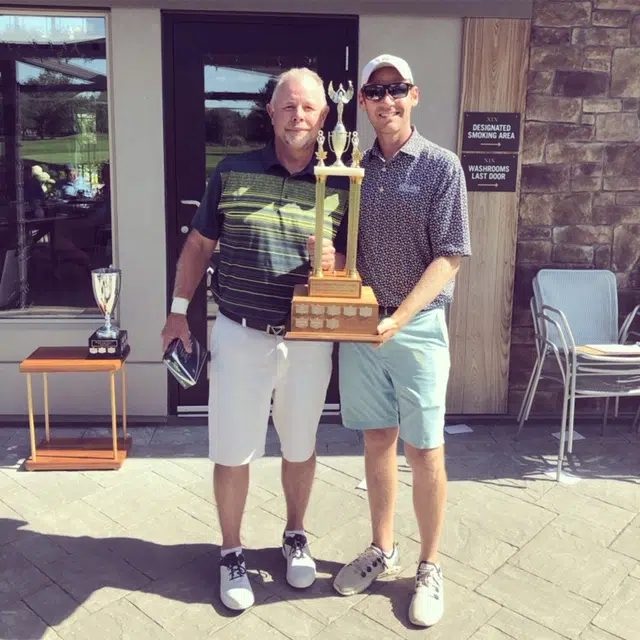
[301,567]
[370,565]
[427,604]
[235,588]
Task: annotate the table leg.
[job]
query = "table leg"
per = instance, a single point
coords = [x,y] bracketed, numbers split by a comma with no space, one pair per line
[114,422]
[32,426]
[124,400]
[45,380]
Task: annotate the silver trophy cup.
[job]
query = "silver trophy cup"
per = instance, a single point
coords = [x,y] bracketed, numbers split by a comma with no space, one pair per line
[106,291]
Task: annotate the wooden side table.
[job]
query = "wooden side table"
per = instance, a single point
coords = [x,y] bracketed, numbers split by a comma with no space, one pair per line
[76,453]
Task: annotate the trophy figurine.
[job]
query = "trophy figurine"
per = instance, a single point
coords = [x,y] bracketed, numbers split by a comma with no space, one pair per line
[339,138]
[335,306]
[109,341]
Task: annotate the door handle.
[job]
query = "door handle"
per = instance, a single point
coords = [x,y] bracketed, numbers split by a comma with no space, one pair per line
[184,228]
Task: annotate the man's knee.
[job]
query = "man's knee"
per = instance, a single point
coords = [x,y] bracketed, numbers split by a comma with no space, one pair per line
[231,469]
[290,460]
[429,459]
[380,440]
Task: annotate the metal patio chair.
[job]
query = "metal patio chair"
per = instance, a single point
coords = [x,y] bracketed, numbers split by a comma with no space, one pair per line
[571,309]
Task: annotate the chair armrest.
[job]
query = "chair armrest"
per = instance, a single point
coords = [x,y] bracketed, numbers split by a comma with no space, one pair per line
[562,326]
[554,348]
[626,325]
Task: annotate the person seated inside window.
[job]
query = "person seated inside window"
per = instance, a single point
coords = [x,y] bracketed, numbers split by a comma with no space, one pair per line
[75,186]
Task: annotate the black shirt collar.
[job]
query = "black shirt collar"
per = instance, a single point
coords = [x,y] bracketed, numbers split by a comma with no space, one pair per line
[270,161]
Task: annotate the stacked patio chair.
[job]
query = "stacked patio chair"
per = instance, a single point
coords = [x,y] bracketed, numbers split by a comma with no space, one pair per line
[573,309]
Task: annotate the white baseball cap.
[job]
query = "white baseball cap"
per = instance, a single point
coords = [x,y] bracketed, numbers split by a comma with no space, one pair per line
[386,60]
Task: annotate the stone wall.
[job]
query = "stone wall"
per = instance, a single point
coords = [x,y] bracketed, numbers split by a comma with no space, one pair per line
[580,188]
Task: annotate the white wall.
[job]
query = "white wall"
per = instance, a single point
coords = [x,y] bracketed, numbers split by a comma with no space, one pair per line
[139,229]
[140,204]
[432,47]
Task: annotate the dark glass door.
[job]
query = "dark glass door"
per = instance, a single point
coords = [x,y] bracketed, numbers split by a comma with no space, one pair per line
[219,72]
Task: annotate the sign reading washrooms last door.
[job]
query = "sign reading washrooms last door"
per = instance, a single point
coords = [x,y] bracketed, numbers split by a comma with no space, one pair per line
[490,171]
[491,131]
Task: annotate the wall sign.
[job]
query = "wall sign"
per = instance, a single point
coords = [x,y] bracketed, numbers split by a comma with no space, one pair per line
[490,131]
[490,171]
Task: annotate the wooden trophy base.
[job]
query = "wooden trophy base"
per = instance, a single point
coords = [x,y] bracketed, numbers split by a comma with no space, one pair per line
[335,318]
[78,454]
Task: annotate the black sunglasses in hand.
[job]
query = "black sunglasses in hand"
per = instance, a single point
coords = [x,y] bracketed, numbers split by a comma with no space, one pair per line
[396,90]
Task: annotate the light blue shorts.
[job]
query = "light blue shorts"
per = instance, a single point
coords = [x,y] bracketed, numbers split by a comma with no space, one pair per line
[403,382]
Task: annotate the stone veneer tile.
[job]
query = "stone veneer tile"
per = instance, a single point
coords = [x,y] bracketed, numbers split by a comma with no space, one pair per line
[625,73]
[562,14]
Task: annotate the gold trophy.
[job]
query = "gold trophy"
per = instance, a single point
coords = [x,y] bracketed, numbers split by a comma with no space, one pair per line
[335,306]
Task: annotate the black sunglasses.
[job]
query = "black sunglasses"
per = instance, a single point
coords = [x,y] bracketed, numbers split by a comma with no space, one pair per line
[396,90]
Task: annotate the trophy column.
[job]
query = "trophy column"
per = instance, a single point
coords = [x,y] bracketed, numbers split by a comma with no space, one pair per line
[321,182]
[355,188]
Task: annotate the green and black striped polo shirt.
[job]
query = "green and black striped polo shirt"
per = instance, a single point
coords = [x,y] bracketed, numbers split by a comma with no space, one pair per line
[262,217]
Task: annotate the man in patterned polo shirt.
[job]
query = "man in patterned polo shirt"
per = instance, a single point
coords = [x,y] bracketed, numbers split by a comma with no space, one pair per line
[260,208]
[413,232]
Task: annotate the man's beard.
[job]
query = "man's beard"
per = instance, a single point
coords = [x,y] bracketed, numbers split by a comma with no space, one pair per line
[298,139]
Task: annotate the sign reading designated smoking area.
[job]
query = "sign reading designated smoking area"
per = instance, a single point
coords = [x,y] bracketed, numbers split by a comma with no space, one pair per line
[490,171]
[491,131]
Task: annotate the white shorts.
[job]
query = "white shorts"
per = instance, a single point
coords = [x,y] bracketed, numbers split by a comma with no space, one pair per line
[248,368]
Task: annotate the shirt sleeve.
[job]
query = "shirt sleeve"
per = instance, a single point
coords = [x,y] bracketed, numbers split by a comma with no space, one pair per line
[208,218]
[449,219]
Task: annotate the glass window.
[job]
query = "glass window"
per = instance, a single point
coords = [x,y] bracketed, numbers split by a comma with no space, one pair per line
[55,196]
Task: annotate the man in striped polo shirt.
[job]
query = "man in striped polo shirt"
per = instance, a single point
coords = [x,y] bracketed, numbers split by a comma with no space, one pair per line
[260,208]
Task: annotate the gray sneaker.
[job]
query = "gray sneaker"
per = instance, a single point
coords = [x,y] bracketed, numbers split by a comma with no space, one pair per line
[427,604]
[370,565]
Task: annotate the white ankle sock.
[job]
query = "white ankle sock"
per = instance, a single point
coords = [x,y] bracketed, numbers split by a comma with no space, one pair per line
[224,552]
[386,554]
[293,532]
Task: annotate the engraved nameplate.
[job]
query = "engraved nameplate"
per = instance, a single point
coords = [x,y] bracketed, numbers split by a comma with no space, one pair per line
[339,287]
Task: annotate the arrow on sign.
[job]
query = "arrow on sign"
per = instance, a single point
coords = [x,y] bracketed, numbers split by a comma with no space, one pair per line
[491,144]
[488,184]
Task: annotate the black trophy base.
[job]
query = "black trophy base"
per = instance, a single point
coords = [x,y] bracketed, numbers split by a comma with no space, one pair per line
[101,348]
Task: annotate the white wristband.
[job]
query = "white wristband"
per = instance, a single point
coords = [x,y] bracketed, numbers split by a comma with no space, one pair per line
[180,305]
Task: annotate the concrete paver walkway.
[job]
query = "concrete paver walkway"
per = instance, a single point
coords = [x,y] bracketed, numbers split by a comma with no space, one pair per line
[133,553]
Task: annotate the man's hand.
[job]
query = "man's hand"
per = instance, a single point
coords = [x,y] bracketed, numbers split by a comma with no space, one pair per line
[387,328]
[328,253]
[176,327]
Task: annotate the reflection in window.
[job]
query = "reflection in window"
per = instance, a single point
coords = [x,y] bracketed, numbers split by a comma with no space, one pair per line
[55,196]
[237,89]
